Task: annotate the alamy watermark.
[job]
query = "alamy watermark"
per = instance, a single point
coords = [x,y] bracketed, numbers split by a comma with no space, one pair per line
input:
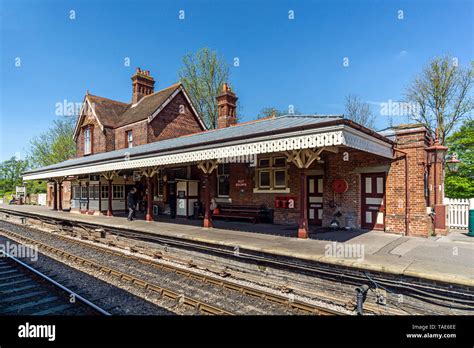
[395,108]
[24,251]
[345,250]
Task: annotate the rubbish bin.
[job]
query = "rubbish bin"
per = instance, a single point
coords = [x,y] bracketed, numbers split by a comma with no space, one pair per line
[197,210]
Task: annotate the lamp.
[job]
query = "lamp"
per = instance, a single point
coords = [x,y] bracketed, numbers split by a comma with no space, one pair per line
[436,152]
[453,163]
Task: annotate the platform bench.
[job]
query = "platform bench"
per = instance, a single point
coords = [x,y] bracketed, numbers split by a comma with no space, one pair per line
[241,212]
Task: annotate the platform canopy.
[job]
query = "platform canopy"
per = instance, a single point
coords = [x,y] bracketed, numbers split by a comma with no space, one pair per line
[242,141]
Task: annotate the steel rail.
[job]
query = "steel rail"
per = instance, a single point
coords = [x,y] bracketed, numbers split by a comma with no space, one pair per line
[324,271]
[49,280]
[162,291]
[246,290]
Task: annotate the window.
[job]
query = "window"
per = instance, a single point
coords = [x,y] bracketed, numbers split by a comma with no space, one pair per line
[223,180]
[264,179]
[160,187]
[118,192]
[84,192]
[272,173]
[279,178]
[104,191]
[129,139]
[76,192]
[94,192]
[87,141]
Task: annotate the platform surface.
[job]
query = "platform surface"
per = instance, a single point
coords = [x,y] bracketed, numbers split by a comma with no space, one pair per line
[447,259]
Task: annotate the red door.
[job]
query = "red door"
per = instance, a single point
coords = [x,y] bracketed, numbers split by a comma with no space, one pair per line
[373,201]
[315,200]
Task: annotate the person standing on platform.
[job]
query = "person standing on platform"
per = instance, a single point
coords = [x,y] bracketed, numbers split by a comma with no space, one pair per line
[132,203]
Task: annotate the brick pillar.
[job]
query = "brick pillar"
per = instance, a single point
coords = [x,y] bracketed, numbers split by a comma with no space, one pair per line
[60,196]
[207,203]
[109,209]
[149,213]
[55,196]
[303,222]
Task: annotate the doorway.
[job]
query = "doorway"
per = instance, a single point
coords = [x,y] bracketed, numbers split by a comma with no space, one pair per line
[315,200]
[373,201]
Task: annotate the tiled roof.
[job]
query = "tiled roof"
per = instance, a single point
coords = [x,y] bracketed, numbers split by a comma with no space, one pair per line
[146,106]
[108,111]
[112,113]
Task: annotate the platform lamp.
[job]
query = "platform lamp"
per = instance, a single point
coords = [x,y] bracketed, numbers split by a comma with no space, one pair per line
[453,163]
[436,158]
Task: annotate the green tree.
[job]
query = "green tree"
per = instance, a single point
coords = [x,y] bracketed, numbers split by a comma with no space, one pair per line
[10,175]
[55,145]
[202,75]
[461,184]
[359,111]
[440,96]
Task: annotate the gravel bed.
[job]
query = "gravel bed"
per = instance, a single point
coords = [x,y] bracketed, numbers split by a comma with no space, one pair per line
[233,301]
[115,300]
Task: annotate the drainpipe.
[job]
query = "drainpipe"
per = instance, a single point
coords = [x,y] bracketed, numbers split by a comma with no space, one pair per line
[407,192]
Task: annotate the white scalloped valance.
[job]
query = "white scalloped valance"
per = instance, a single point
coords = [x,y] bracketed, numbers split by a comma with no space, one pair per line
[344,136]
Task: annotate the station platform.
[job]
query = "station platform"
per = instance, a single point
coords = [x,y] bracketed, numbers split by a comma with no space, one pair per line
[448,259]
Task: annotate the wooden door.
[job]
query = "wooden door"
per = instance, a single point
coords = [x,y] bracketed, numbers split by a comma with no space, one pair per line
[315,200]
[373,201]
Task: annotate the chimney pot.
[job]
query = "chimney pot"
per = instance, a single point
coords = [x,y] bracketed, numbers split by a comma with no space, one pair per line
[142,86]
[226,107]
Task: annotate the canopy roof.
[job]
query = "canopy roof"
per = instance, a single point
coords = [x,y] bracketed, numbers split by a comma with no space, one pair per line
[269,135]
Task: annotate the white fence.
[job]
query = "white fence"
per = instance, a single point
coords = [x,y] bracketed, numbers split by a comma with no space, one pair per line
[458,212]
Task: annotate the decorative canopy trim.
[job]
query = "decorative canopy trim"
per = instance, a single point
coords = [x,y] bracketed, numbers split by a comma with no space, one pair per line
[312,139]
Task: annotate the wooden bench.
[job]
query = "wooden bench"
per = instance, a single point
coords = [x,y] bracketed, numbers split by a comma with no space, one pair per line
[241,212]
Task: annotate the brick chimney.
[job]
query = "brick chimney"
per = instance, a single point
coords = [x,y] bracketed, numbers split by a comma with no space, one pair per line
[143,84]
[226,105]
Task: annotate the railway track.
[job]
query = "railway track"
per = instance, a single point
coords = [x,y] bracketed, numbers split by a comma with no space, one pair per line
[289,302]
[25,290]
[424,293]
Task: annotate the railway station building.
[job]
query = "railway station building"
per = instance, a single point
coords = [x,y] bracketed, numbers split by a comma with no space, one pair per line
[309,171]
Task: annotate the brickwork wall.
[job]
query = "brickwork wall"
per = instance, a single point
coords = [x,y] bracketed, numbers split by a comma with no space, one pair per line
[139,132]
[336,168]
[175,120]
[99,140]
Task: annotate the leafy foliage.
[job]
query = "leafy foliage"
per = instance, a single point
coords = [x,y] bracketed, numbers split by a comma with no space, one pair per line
[10,175]
[461,184]
[440,96]
[55,145]
[202,75]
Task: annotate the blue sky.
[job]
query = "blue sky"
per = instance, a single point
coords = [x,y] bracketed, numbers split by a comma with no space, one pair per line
[282,61]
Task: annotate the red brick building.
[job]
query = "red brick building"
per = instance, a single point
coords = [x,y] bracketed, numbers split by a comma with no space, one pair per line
[310,170]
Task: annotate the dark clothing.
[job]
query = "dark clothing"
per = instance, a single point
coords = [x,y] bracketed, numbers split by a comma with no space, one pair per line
[131,214]
[131,200]
[132,205]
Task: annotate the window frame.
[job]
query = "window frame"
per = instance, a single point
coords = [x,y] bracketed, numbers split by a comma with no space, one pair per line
[226,174]
[272,169]
[87,140]
[114,191]
[129,143]
[285,172]
[104,192]
[269,172]
[84,192]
